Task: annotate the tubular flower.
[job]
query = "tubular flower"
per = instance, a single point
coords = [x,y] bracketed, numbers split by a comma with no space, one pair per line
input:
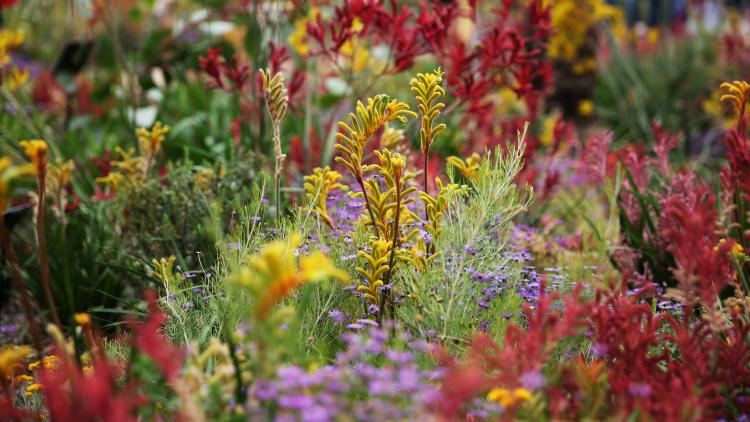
[368,119]
[9,40]
[317,186]
[738,94]
[10,357]
[377,267]
[438,205]
[82,318]
[274,273]
[150,142]
[16,78]
[469,168]
[352,138]
[36,150]
[387,205]
[8,172]
[428,90]
[163,269]
[33,388]
[298,38]
[277,102]
[58,178]
[509,398]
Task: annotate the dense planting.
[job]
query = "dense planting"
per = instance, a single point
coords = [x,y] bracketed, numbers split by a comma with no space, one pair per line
[373,210]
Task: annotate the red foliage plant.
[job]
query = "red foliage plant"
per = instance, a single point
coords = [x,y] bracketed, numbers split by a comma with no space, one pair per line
[488,365]
[703,265]
[647,364]
[98,394]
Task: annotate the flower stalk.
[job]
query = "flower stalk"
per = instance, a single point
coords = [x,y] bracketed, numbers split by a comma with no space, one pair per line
[352,139]
[36,150]
[428,90]
[277,101]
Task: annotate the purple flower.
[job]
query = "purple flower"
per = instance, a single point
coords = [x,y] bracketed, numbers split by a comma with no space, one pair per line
[599,349]
[296,401]
[533,380]
[470,250]
[373,309]
[639,389]
[337,316]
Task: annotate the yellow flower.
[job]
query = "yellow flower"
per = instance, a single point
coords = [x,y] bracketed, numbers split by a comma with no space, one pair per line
[22,379]
[317,187]
[33,388]
[33,366]
[16,78]
[548,129]
[163,269]
[36,151]
[9,40]
[82,319]
[355,50]
[298,38]
[274,273]
[113,181]
[736,250]
[8,172]
[50,362]
[508,398]
[509,103]
[11,356]
[573,22]
[468,168]
[586,108]
[738,94]
[150,140]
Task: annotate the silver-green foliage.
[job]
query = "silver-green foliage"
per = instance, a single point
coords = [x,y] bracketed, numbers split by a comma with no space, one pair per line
[474,236]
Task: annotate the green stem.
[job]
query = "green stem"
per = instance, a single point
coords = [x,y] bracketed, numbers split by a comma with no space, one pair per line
[361,183]
[42,243]
[388,295]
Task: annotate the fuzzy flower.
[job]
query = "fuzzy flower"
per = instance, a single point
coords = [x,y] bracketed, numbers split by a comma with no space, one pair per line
[36,151]
[274,273]
[337,316]
[10,357]
[83,319]
[33,388]
[508,398]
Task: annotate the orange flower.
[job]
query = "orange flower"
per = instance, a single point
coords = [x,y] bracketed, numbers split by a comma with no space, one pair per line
[36,150]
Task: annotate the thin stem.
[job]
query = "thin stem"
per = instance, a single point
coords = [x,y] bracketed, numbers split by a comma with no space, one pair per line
[367,204]
[388,295]
[26,304]
[42,243]
[239,391]
[278,164]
